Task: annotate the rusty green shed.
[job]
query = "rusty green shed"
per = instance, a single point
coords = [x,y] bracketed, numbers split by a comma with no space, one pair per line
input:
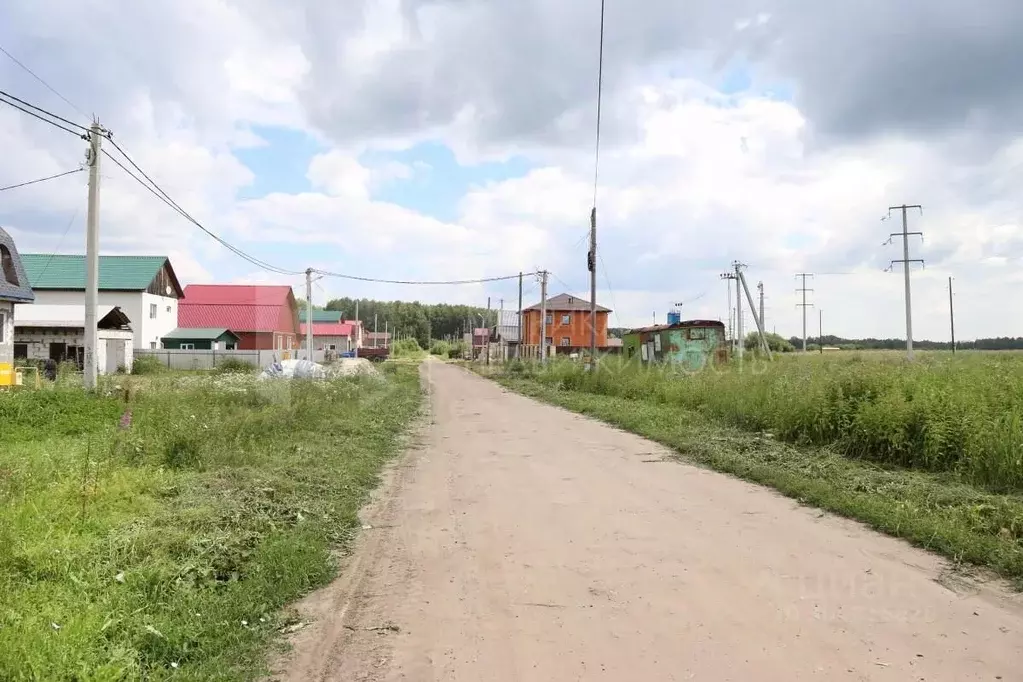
[692,344]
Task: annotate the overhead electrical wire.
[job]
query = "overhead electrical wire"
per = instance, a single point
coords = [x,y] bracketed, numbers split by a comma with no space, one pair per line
[376,280]
[160,194]
[41,118]
[49,177]
[40,79]
[45,111]
[600,89]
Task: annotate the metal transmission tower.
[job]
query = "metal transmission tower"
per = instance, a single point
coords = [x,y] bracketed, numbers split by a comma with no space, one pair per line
[906,261]
[804,305]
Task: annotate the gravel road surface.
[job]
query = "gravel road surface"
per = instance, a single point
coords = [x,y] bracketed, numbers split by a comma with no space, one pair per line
[517,541]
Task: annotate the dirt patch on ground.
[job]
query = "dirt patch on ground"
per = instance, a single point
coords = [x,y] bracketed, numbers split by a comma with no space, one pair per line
[518,541]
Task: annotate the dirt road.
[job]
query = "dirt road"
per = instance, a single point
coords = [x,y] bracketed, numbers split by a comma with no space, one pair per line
[518,541]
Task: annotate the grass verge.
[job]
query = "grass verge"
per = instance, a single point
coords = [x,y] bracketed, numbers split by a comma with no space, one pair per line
[156,532]
[936,511]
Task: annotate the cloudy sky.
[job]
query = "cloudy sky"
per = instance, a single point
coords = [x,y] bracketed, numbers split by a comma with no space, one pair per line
[450,139]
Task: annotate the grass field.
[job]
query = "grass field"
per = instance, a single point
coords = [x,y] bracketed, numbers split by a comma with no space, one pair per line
[157,531]
[930,451]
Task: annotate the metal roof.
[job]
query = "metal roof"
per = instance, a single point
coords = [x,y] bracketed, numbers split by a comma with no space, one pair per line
[684,324]
[202,333]
[328,329]
[14,283]
[563,302]
[323,315]
[68,316]
[116,273]
[240,308]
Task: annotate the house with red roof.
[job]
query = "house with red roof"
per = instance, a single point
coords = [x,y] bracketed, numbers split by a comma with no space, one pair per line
[330,332]
[262,317]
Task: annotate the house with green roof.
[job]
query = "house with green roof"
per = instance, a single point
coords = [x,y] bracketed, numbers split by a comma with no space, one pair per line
[201,338]
[145,288]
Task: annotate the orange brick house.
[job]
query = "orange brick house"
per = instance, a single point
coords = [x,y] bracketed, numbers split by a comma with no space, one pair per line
[568,323]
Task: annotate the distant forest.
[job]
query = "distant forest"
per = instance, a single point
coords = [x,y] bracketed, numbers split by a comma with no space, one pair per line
[423,321]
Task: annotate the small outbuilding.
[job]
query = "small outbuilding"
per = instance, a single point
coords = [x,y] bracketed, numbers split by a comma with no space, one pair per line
[692,344]
[201,338]
[57,332]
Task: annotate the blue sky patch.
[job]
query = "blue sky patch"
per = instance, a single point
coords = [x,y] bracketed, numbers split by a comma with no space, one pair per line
[281,164]
[439,182]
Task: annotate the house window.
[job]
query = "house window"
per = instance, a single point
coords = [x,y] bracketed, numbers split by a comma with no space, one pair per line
[697,334]
[152,311]
[187,346]
[565,341]
[152,344]
[566,319]
[21,351]
[550,318]
[168,309]
[550,341]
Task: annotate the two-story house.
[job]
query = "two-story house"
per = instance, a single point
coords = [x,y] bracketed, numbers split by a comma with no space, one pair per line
[568,323]
[145,288]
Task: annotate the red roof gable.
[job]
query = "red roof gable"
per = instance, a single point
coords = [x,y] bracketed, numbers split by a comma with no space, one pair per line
[328,329]
[236,294]
[240,308]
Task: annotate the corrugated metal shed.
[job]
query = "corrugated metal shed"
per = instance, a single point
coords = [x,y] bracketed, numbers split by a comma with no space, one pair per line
[692,344]
[116,273]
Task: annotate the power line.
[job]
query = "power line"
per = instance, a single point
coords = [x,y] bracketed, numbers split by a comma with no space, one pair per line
[84,136]
[84,129]
[165,198]
[600,91]
[60,244]
[40,79]
[376,280]
[32,182]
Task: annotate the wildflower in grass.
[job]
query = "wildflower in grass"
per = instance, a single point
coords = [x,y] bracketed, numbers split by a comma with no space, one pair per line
[125,422]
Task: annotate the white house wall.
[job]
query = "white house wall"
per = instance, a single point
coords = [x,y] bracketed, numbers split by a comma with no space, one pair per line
[134,304]
[7,333]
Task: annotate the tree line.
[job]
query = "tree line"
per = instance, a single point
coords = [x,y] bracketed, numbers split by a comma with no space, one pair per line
[421,321]
[996,343]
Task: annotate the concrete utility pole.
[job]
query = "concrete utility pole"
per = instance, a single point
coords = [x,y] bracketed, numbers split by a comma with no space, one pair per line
[92,257]
[760,288]
[518,346]
[906,261]
[738,311]
[804,305]
[591,264]
[387,339]
[756,318]
[543,316]
[951,316]
[820,331]
[728,276]
[309,313]
[358,328]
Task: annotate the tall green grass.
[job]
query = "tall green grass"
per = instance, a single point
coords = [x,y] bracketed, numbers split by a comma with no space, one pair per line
[156,530]
[961,414]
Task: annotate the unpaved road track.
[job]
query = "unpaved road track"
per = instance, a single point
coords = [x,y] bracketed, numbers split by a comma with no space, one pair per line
[517,541]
